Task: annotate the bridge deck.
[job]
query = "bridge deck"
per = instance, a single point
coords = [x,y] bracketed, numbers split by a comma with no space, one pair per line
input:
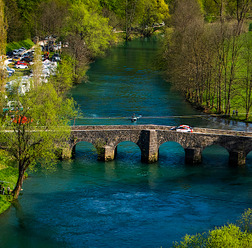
[159,127]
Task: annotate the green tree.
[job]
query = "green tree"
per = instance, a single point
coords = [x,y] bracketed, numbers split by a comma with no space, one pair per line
[88,34]
[50,17]
[64,78]
[244,87]
[3,36]
[91,27]
[39,126]
[14,21]
[152,11]
[27,10]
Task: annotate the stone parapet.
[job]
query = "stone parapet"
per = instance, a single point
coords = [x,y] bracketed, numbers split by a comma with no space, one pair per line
[150,137]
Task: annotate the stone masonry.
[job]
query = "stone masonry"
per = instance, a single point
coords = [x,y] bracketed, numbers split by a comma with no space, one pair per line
[150,137]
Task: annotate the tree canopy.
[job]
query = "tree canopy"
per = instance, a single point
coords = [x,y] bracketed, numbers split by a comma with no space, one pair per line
[36,129]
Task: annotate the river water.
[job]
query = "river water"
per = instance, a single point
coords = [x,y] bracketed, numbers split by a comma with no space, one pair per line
[124,203]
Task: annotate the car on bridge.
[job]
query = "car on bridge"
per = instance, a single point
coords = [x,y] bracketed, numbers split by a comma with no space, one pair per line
[182,128]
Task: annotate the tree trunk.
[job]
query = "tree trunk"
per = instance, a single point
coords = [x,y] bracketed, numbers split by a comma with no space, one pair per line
[19,184]
[247,115]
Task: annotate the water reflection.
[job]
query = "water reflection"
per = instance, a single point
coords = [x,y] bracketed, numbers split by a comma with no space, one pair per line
[153,175]
[110,171]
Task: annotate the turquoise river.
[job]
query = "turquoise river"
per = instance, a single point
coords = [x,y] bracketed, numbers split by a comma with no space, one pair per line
[124,203]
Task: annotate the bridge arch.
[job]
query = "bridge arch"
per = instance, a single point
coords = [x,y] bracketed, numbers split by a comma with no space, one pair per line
[128,150]
[172,152]
[249,158]
[150,137]
[170,138]
[215,154]
[84,148]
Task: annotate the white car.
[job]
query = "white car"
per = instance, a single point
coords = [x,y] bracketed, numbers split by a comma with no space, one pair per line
[21,66]
[183,128]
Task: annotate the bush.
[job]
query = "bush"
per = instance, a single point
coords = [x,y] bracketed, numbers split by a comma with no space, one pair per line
[229,236]
[245,222]
[238,236]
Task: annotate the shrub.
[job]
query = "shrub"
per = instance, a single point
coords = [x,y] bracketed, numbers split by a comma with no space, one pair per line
[245,222]
[222,237]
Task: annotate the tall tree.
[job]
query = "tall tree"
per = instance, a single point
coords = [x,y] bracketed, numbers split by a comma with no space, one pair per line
[15,24]
[39,127]
[244,88]
[3,36]
[152,11]
[27,10]
[51,17]
[88,34]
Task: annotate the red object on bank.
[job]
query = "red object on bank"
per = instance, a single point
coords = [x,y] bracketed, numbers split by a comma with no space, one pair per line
[22,120]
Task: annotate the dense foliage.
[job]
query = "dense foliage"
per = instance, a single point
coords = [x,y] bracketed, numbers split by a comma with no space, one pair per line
[29,18]
[36,126]
[233,235]
[211,62]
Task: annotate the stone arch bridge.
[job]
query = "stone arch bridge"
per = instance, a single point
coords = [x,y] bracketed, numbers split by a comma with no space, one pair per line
[150,137]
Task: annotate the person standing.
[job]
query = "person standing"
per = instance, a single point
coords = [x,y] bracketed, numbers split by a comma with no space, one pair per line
[8,190]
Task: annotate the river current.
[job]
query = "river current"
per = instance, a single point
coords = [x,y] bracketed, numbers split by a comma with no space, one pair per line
[124,203]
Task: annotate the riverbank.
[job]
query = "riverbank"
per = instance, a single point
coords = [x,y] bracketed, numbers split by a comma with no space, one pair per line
[237,114]
[8,178]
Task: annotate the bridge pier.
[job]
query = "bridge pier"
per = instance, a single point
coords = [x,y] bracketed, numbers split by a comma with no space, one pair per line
[149,152]
[193,156]
[106,153]
[67,151]
[237,158]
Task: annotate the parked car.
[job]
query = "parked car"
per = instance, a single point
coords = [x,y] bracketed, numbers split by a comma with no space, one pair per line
[15,52]
[26,59]
[55,57]
[183,128]
[21,66]
[21,63]
[15,58]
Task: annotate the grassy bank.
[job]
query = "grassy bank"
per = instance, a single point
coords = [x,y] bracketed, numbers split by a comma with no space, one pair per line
[16,45]
[239,116]
[8,177]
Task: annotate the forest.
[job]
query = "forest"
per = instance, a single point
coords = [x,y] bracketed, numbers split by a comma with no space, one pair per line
[206,52]
[41,18]
[207,55]
[89,27]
